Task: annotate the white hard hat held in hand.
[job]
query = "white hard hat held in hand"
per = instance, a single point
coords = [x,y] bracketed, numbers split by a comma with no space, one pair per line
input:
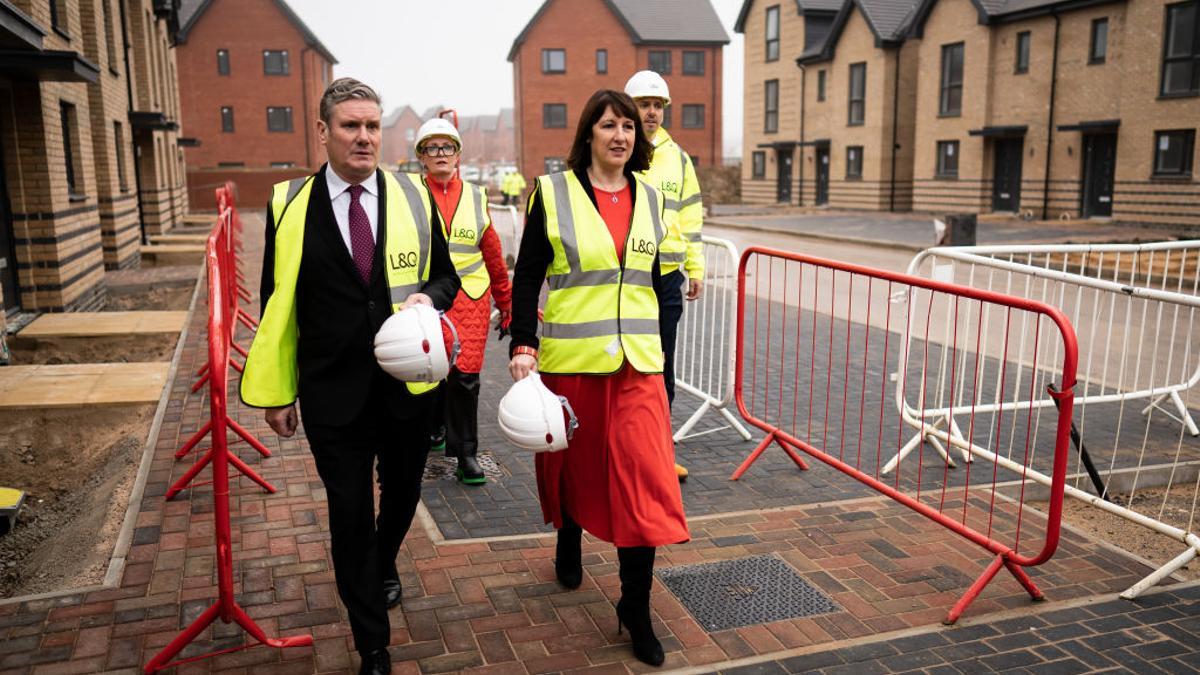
[436,127]
[648,84]
[410,345]
[531,416]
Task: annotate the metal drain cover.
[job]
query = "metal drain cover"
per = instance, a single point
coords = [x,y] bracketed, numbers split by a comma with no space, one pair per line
[745,591]
[440,467]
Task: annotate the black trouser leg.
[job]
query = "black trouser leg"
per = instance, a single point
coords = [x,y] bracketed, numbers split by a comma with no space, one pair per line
[460,396]
[670,309]
[401,468]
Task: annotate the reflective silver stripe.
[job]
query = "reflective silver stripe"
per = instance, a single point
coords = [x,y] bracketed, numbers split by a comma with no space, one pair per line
[671,257]
[294,186]
[683,160]
[638,278]
[655,215]
[692,236]
[566,220]
[671,204]
[470,268]
[479,220]
[694,199]
[417,205]
[602,328]
[399,294]
[456,247]
[581,279]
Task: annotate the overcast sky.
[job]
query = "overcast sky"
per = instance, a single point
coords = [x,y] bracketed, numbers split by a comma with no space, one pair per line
[453,52]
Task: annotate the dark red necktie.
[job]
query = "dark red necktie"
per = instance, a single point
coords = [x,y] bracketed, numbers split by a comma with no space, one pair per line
[362,243]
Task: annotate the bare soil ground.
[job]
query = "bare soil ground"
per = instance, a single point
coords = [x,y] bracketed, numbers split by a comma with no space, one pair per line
[77,468]
[119,349]
[1148,544]
[156,298]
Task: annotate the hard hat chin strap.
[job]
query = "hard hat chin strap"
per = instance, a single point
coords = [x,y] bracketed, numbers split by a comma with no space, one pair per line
[573,424]
[456,346]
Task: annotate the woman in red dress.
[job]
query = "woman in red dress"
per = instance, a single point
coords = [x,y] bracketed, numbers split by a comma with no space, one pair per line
[592,233]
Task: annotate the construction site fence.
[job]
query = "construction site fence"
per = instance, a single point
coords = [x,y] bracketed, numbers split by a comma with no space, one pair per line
[1134,307]
[818,345]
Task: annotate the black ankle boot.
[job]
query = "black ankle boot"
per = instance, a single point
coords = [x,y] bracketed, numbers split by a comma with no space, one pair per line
[633,609]
[568,565]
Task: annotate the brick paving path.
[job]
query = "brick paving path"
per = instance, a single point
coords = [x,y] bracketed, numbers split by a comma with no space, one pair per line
[494,607]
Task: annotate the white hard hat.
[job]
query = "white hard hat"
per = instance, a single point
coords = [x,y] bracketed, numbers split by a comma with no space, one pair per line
[410,347]
[531,416]
[437,127]
[648,84]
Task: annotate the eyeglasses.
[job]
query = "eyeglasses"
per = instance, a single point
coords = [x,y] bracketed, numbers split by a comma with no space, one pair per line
[439,150]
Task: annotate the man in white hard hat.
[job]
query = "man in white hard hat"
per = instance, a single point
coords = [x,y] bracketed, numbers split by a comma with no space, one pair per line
[345,248]
[479,259]
[672,172]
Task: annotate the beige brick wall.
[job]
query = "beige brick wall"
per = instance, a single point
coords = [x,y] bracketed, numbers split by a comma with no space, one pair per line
[757,72]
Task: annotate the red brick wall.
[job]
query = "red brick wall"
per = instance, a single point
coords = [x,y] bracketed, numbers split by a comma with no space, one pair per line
[253,185]
[246,28]
[581,27]
[396,146]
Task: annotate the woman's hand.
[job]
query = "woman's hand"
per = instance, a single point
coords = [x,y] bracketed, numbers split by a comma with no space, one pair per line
[521,365]
[417,299]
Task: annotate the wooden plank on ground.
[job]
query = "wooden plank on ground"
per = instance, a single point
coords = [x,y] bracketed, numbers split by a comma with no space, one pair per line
[84,384]
[103,324]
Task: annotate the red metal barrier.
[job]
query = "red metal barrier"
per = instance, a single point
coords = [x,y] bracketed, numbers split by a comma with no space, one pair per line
[826,352]
[219,247]
[226,607]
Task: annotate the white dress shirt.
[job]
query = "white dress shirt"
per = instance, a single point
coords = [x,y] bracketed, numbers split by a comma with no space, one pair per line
[339,197]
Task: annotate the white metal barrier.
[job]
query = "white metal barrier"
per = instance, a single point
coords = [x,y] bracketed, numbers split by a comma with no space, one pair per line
[510,225]
[1134,312]
[704,345]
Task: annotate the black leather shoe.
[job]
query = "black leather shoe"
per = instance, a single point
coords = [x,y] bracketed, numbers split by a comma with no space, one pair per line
[392,592]
[437,440]
[377,662]
[469,472]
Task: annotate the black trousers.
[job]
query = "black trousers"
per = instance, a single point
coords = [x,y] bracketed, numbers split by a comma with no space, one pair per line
[365,544]
[670,309]
[459,408]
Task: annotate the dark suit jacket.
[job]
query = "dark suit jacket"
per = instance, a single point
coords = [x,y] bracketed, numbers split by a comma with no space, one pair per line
[338,316]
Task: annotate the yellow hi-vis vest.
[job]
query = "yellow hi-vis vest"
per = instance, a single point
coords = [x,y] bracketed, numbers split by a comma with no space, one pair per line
[600,311]
[672,172]
[470,222]
[271,375]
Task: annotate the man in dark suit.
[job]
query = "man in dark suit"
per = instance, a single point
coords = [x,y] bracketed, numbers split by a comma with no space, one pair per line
[334,268]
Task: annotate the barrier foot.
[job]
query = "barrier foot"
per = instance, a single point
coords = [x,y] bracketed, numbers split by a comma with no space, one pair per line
[1183,412]
[249,438]
[162,660]
[1159,574]
[691,421]
[196,438]
[734,422]
[200,383]
[250,473]
[203,369]
[186,479]
[758,450]
[1000,561]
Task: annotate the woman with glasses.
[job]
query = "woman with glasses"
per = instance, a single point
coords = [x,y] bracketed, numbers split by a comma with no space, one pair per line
[477,255]
[592,235]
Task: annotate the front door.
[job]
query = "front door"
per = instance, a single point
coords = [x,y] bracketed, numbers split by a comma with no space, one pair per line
[1099,166]
[783,179]
[1006,174]
[822,175]
[8,265]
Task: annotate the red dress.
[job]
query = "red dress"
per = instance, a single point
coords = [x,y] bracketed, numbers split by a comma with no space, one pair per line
[472,317]
[617,477]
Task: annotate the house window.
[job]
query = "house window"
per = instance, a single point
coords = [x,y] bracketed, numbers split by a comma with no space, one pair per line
[1022,65]
[1098,51]
[1173,152]
[773,33]
[858,93]
[58,17]
[771,106]
[693,63]
[67,118]
[666,118]
[110,40]
[119,140]
[554,116]
[554,164]
[758,164]
[1181,50]
[950,104]
[660,62]
[820,85]
[602,61]
[282,165]
[854,157]
[227,119]
[693,116]
[554,60]
[279,119]
[947,159]
[275,62]
[222,61]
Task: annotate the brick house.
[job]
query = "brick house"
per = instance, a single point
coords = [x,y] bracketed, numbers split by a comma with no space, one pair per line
[987,106]
[252,75]
[72,195]
[399,131]
[569,49]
